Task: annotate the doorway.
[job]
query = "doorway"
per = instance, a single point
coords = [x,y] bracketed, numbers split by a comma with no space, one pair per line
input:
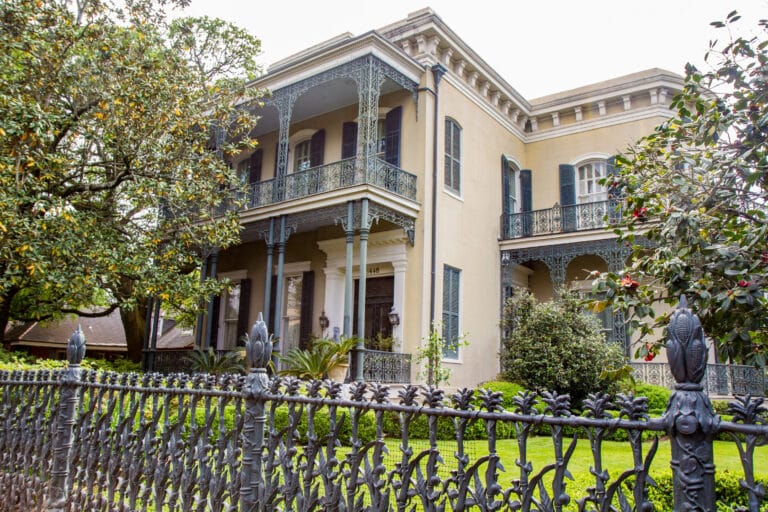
[379,293]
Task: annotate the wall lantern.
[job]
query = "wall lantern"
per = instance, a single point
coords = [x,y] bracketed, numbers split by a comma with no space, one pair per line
[505,257]
[394,317]
[324,322]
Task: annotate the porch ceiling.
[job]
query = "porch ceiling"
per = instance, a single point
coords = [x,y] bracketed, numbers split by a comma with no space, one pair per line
[327,97]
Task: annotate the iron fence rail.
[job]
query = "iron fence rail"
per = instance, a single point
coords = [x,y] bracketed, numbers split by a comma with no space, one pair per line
[107,441]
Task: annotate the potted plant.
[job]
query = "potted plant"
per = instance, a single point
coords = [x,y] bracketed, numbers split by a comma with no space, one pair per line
[324,359]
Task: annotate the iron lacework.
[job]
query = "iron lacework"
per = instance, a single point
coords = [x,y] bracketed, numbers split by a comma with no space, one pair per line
[180,442]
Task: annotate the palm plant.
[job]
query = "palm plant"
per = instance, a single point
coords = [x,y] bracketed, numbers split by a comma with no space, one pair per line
[315,363]
[215,363]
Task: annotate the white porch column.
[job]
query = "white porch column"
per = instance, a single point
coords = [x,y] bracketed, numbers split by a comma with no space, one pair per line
[398,299]
[334,299]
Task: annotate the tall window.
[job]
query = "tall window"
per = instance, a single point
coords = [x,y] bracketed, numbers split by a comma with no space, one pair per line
[451,278]
[588,176]
[302,160]
[452,156]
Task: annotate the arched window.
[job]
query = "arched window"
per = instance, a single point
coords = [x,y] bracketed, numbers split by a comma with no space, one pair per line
[588,176]
[452,156]
[301,159]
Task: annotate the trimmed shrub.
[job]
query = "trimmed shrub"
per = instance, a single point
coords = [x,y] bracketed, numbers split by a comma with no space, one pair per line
[728,493]
[555,346]
[658,396]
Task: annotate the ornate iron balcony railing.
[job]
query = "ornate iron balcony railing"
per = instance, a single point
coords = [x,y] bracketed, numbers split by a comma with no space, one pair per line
[559,219]
[325,178]
[719,379]
[387,367]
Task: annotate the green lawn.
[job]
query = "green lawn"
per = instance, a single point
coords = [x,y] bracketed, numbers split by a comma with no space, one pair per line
[616,456]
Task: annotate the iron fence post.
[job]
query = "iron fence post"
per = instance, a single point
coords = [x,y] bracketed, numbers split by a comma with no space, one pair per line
[258,347]
[690,420]
[65,421]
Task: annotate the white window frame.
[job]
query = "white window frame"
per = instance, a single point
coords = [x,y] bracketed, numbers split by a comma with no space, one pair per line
[221,333]
[578,164]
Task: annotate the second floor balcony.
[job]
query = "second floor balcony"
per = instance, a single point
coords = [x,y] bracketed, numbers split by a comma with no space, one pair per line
[560,219]
[331,177]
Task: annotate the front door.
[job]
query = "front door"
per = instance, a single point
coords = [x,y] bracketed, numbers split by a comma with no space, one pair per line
[379,292]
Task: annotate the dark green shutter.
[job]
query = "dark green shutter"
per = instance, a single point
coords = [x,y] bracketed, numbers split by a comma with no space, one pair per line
[506,204]
[307,307]
[451,311]
[215,324]
[567,185]
[348,140]
[614,191]
[568,197]
[526,190]
[526,201]
[272,309]
[316,148]
[277,153]
[243,310]
[392,141]
[254,166]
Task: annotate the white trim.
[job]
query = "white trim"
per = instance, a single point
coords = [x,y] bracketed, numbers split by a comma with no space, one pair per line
[233,275]
[301,136]
[582,159]
[294,268]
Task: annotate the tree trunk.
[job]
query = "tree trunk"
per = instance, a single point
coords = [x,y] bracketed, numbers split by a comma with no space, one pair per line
[5,310]
[134,319]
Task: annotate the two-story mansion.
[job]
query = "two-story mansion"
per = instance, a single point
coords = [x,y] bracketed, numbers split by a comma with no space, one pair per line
[400,181]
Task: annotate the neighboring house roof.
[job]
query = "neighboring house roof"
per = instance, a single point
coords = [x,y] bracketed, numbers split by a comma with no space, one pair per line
[104,333]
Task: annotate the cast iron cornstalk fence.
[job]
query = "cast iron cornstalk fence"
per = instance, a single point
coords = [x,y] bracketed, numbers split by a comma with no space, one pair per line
[74,440]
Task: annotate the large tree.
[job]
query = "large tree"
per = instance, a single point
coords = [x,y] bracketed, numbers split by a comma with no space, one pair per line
[115,129]
[697,190]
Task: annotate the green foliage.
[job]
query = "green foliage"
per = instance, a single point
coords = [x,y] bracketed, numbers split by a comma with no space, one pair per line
[366,428]
[658,396]
[701,178]
[17,360]
[109,178]
[216,363]
[555,346]
[430,357]
[383,343]
[315,363]
[728,492]
[509,391]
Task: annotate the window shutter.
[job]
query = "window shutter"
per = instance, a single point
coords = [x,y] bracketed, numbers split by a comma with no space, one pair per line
[526,201]
[272,309]
[316,147]
[505,183]
[526,190]
[568,197]
[254,166]
[348,140]
[392,141]
[277,157]
[567,185]
[611,172]
[243,309]
[307,308]
[213,342]
[450,311]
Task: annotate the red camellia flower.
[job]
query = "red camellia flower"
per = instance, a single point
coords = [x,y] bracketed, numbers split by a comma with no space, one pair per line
[629,283]
[640,213]
[649,355]
[744,283]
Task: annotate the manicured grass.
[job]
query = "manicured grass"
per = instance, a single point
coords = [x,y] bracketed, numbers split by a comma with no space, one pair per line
[616,458]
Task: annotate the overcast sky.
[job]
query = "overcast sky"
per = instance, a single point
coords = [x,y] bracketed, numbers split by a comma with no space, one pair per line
[538,46]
